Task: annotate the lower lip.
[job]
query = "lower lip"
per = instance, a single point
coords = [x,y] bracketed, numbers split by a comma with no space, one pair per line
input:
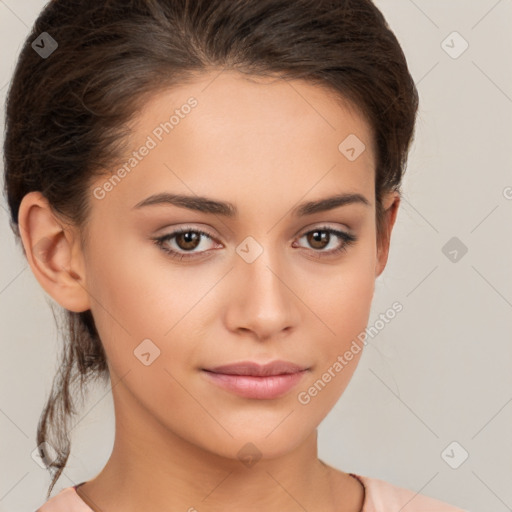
[261,388]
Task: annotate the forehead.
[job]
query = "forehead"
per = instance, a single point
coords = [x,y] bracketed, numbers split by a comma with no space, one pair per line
[255,106]
[233,132]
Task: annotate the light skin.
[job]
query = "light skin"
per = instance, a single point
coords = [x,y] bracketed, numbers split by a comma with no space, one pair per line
[265,146]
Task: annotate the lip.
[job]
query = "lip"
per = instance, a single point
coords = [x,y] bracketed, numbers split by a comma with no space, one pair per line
[252,380]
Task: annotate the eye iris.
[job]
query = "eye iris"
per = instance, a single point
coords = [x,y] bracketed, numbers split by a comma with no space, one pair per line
[190,237]
[318,236]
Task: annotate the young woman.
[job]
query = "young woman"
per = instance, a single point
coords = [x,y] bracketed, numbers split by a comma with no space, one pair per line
[208,189]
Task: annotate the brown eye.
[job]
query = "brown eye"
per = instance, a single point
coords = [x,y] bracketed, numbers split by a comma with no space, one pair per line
[186,240]
[320,238]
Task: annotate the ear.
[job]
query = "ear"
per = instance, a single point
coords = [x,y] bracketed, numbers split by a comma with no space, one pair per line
[53,252]
[390,204]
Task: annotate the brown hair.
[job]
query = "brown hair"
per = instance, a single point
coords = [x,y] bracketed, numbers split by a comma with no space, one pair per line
[67,114]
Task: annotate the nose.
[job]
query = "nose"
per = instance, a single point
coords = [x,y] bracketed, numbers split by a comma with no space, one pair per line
[263,299]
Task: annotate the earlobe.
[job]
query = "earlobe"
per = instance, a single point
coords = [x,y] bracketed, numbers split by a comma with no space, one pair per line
[390,205]
[52,253]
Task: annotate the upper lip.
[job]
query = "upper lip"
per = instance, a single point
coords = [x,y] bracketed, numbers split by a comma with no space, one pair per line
[256,369]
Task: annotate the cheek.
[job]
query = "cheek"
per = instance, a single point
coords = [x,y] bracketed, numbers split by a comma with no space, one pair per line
[138,294]
[346,316]
[341,297]
[339,340]
[342,300]
[120,285]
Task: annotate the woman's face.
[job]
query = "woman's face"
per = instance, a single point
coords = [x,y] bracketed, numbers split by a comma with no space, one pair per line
[267,282]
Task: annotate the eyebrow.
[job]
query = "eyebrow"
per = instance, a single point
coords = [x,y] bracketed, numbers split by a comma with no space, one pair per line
[227,209]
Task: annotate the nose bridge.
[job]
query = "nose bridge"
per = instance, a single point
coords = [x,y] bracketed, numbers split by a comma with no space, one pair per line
[260,263]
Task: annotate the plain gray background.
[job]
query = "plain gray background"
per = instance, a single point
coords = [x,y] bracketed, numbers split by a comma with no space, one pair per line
[439,372]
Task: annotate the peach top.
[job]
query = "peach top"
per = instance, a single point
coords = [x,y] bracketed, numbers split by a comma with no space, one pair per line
[380,496]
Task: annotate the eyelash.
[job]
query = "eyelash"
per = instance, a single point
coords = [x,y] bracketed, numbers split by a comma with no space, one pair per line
[347,238]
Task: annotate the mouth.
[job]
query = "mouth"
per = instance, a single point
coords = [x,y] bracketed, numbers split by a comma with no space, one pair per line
[251,368]
[252,380]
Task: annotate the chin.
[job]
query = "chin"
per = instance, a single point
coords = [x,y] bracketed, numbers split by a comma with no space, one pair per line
[257,444]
